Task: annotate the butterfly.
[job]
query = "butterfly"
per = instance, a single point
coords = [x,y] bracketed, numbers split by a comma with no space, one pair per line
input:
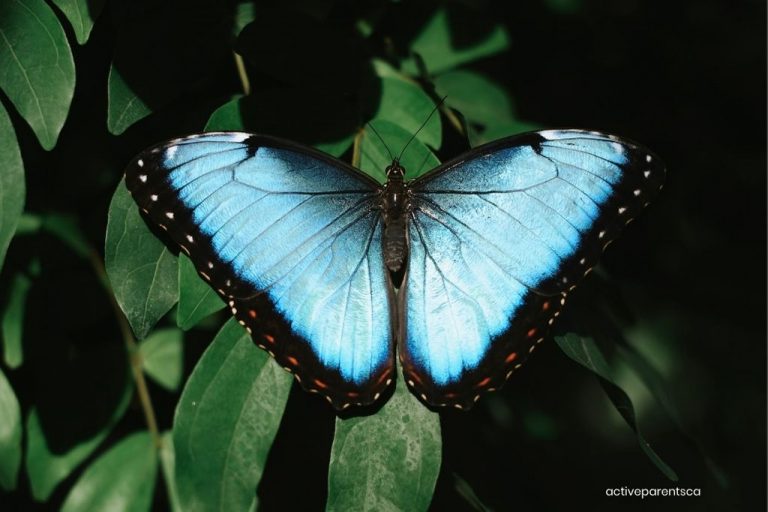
[460,272]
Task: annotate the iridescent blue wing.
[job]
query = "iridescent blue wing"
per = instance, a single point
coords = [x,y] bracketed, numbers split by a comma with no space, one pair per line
[279,228]
[498,238]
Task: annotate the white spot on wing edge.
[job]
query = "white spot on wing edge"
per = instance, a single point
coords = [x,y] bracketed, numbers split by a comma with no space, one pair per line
[142,177]
[551,134]
[140,162]
[239,137]
[171,151]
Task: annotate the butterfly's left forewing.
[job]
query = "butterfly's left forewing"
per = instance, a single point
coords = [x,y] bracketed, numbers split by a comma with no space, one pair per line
[291,241]
[498,238]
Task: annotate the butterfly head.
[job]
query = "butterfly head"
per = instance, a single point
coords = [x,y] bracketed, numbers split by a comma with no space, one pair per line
[395,171]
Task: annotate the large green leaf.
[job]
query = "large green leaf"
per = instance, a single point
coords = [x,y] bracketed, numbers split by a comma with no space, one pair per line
[12,188]
[121,480]
[10,435]
[162,357]
[81,15]
[387,461]
[435,42]
[47,467]
[197,299]
[13,320]
[374,156]
[125,107]
[226,421]
[478,99]
[406,104]
[143,272]
[37,71]
[585,351]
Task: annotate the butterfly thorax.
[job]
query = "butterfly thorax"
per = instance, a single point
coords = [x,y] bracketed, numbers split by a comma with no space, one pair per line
[395,205]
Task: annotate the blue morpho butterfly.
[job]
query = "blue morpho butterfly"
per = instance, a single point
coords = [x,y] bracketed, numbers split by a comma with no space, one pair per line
[462,270]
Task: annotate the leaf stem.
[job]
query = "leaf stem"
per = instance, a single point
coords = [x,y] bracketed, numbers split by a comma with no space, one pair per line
[133,351]
[244,81]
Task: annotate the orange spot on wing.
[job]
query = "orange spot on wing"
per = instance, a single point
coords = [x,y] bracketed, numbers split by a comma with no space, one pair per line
[320,384]
[532,332]
[545,306]
[252,313]
[293,360]
[352,394]
[384,376]
[415,378]
[483,382]
[269,339]
[511,357]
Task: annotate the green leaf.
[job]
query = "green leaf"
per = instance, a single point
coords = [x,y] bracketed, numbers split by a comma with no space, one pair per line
[12,188]
[406,104]
[435,43]
[478,99]
[585,351]
[81,15]
[10,435]
[124,106]
[197,299]
[374,157]
[13,320]
[38,73]
[245,13]
[47,467]
[162,357]
[120,480]
[655,383]
[168,467]
[386,461]
[225,422]
[227,117]
[143,272]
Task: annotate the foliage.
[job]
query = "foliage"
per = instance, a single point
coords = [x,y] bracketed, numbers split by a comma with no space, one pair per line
[119,372]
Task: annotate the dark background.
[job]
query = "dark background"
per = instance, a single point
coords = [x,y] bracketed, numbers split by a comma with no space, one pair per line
[686,78]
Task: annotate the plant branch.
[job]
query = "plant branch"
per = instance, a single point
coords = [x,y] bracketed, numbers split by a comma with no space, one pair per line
[244,81]
[133,351]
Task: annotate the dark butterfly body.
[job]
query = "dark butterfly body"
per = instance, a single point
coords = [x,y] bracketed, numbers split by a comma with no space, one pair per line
[462,270]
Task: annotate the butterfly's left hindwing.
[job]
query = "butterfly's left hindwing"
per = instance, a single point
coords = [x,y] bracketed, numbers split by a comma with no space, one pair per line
[498,238]
[291,241]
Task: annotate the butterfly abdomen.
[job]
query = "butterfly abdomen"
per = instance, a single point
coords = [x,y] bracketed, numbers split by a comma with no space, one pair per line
[395,204]
[395,247]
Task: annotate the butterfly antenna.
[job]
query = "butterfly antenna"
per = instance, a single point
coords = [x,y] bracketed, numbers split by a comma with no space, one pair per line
[439,104]
[382,141]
